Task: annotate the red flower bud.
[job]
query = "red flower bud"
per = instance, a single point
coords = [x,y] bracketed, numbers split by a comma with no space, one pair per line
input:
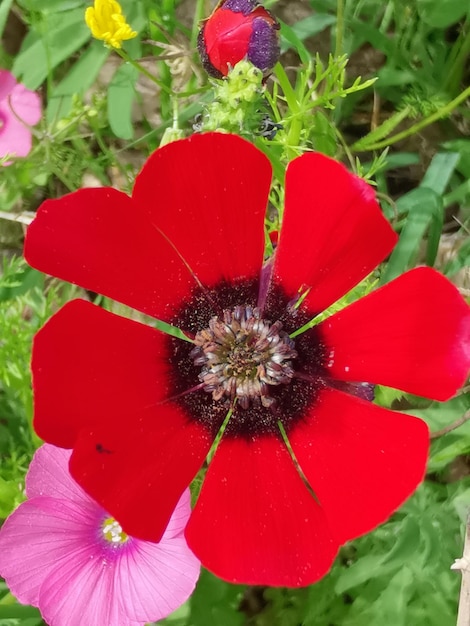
[236,30]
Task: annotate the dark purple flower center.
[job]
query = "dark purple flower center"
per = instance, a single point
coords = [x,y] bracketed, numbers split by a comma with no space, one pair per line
[242,356]
[263,382]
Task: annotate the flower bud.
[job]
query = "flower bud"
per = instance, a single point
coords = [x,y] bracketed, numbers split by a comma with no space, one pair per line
[237,30]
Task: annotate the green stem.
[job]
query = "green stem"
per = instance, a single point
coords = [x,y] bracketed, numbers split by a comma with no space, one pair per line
[293,138]
[198,17]
[443,112]
[339,28]
[140,68]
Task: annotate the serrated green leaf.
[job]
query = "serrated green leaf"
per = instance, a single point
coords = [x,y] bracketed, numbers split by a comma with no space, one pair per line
[381,131]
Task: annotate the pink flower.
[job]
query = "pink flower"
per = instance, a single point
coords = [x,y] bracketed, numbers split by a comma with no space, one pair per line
[61,552]
[19,109]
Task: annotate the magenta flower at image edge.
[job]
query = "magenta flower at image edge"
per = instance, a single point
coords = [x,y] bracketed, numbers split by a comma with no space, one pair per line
[20,108]
[61,552]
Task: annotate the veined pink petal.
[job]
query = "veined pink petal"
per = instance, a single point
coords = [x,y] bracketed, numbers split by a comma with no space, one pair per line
[40,534]
[155,579]
[54,555]
[81,590]
[48,476]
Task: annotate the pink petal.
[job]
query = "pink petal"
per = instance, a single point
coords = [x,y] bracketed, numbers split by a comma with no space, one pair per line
[153,580]
[81,591]
[179,517]
[48,475]
[25,105]
[41,533]
[15,137]
[7,83]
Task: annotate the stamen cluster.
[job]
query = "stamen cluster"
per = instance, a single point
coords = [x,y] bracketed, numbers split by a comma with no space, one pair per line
[112,531]
[242,355]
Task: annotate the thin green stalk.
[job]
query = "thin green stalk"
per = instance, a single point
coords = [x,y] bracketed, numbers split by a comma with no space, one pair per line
[199,15]
[443,112]
[339,28]
[293,138]
[140,68]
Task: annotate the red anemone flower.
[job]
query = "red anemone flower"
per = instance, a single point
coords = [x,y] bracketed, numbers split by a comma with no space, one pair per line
[141,408]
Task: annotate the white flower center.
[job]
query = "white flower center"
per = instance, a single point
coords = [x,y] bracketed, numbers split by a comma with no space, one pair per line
[112,531]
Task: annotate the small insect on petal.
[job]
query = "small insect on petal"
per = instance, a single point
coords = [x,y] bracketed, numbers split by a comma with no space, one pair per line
[239,29]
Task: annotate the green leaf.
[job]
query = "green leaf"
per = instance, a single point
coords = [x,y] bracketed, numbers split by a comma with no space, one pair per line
[324,136]
[4,10]
[440,170]
[121,95]
[381,131]
[442,13]
[364,569]
[407,543]
[215,602]
[18,611]
[424,207]
[289,39]
[61,35]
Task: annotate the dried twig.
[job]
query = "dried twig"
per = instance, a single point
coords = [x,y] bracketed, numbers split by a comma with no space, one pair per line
[22,218]
[447,429]
[463,565]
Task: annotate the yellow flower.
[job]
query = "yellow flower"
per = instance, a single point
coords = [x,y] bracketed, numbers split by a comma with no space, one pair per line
[106,22]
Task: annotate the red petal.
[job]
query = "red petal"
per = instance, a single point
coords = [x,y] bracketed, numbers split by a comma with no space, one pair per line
[88,364]
[207,193]
[412,334]
[212,192]
[138,466]
[255,522]
[102,241]
[227,37]
[362,461]
[333,233]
